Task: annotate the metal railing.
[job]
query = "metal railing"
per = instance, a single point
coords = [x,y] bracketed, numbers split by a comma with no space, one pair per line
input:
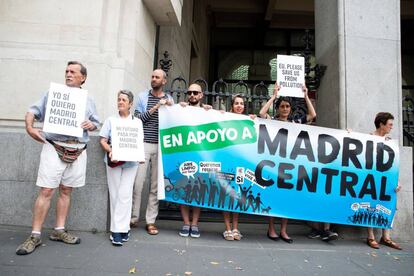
[255,94]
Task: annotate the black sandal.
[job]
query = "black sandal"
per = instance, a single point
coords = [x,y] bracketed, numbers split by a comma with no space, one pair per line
[272,238]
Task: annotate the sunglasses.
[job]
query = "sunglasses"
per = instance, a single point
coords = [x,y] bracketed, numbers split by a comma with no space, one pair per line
[195,93]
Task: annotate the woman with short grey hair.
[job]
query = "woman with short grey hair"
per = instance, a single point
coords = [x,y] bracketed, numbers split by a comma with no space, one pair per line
[120,174]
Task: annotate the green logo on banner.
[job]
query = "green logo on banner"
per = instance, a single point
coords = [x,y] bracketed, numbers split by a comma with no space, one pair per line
[207,136]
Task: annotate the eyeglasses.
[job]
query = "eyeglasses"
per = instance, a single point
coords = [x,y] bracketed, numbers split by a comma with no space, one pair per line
[195,93]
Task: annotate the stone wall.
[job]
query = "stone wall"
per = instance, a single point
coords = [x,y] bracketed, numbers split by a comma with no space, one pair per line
[18,173]
[177,41]
[114,39]
[200,55]
[187,44]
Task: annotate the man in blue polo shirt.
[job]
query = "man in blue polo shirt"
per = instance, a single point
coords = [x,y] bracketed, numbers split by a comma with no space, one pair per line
[55,172]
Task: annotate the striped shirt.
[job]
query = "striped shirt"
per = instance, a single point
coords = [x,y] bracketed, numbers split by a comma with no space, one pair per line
[150,121]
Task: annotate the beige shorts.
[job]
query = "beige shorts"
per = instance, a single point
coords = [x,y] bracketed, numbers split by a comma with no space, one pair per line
[53,171]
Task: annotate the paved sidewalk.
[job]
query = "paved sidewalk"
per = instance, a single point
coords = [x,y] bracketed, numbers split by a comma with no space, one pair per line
[169,254]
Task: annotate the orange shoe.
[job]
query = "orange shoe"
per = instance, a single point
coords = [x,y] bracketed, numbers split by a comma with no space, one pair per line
[373,243]
[390,243]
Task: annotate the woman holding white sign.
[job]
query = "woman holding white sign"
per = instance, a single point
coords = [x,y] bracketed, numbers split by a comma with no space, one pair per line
[284,113]
[121,174]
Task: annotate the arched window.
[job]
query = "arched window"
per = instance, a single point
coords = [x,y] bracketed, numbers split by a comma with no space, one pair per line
[240,73]
[273,74]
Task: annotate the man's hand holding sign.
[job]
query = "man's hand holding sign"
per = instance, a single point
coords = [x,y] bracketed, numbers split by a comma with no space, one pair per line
[88,125]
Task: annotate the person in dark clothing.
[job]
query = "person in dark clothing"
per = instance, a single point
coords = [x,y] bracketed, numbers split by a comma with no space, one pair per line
[284,113]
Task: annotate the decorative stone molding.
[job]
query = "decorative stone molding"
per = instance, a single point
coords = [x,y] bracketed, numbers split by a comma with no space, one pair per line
[165,12]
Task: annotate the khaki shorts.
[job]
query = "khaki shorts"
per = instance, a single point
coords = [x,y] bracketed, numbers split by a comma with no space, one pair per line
[53,171]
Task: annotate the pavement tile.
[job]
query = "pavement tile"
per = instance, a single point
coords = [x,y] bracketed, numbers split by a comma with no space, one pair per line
[169,254]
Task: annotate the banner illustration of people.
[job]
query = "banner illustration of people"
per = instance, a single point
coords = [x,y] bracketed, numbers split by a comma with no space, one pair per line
[232,163]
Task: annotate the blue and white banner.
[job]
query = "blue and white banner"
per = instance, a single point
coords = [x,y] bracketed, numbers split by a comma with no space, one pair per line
[264,167]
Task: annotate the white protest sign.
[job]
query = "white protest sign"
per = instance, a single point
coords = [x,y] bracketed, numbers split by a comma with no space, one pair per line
[290,75]
[127,139]
[65,110]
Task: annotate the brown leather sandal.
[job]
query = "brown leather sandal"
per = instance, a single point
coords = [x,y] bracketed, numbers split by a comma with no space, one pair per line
[151,229]
[390,243]
[373,243]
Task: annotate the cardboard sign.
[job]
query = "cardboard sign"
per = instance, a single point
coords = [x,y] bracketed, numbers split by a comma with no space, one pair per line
[290,75]
[127,140]
[65,110]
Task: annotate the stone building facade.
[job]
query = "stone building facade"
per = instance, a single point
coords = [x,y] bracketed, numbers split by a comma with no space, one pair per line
[121,41]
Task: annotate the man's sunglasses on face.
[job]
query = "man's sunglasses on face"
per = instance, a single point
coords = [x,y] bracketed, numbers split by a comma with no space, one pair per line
[195,93]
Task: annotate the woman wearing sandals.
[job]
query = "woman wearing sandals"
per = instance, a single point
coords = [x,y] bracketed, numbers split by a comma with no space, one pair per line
[231,219]
[284,110]
[120,174]
[383,124]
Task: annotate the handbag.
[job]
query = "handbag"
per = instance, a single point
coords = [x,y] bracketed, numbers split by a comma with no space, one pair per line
[113,164]
[66,154]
